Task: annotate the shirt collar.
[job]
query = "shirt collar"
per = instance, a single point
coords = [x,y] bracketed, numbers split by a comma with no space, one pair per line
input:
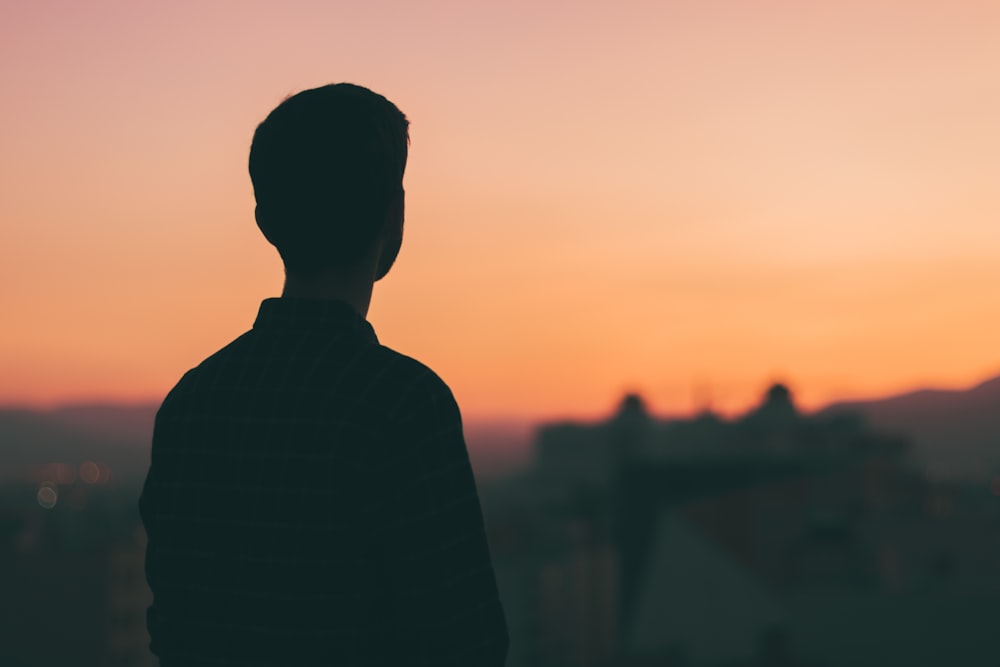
[306,314]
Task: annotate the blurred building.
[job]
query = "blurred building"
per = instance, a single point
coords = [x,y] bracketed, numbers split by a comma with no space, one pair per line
[713,542]
[128,598]
[71,571]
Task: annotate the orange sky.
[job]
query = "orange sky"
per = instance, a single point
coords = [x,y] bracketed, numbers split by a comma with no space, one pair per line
[679,198]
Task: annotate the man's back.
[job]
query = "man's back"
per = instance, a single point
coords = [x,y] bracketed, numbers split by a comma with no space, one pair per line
[310,501]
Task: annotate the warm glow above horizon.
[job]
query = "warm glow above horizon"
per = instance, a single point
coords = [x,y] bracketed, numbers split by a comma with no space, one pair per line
[685,199]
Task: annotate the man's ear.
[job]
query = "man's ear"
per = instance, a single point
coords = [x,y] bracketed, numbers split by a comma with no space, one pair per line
[392,236]
[394,222]
[262,224]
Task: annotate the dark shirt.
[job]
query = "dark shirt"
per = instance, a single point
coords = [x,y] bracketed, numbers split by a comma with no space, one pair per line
[310,502]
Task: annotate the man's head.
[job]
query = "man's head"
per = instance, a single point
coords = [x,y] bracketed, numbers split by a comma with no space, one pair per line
[327,169]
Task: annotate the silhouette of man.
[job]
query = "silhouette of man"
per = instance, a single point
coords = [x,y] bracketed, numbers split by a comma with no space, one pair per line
[310,499]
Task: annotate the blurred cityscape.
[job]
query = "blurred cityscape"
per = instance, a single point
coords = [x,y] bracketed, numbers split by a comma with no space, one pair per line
[772,539]
[775,538]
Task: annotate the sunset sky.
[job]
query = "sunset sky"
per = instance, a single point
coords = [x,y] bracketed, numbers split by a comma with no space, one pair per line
[685,199]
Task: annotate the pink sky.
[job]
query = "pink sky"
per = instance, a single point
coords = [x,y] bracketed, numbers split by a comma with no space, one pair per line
[674,198]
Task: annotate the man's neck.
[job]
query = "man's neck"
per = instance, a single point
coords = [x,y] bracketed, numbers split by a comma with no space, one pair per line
[352,290]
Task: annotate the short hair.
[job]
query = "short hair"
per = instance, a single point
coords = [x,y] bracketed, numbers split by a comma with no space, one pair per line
[326,165]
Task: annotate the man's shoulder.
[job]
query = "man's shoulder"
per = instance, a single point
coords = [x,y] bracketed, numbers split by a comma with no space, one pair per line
[411,376]
[382,373]
[230,352]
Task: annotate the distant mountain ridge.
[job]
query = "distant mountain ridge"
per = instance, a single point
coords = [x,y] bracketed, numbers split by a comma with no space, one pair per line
[984,394]
[956,433]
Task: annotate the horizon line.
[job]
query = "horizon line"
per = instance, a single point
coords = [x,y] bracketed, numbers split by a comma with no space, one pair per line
[532,418]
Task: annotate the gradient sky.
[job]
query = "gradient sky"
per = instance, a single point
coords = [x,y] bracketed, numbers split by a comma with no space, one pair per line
[688,199]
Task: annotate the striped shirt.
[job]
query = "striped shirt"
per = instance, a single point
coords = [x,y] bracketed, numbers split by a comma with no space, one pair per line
[310,502]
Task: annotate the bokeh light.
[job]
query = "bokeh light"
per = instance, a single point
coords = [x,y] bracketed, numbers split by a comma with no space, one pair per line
[47,495]
[90,472]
